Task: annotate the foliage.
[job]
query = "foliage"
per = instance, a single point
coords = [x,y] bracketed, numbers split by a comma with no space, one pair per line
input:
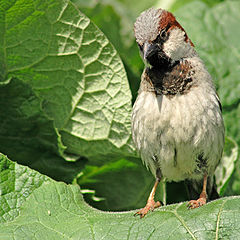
[65,109]
[54,210]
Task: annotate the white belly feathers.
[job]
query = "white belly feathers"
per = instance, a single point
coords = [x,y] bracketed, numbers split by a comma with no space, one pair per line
[171,132]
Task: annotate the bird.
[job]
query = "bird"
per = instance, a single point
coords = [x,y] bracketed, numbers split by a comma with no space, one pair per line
[177,124]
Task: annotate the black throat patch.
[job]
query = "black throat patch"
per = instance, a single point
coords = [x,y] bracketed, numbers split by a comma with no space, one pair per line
[170,81]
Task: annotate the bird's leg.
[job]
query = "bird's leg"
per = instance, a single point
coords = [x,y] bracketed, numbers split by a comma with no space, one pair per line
[151,204]
[203,196]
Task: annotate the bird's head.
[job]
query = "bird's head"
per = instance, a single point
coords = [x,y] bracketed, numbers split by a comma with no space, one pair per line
[161,39]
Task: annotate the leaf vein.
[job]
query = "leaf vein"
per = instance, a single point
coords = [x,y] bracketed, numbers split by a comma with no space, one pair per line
[218,219]
[183,223]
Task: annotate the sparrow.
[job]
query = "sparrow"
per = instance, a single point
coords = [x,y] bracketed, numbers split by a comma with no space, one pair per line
[177,124]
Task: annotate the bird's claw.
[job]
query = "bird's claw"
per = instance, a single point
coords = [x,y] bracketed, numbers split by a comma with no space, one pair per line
[196,203]
[150,206]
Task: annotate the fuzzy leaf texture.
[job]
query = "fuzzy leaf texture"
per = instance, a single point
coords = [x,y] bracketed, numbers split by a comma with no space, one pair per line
[73,76]
[46,209]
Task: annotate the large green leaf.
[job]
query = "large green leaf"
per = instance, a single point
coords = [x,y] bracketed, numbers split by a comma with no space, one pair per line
[54,210]
[73,70]
[16,184]
[28,136]
[116,20]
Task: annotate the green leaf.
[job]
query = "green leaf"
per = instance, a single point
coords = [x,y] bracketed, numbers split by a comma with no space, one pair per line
[73,70]
[24,123]
[232,121]
[226,166]
[230,179]
[28,136]
[54,210]
[16,184]
[116,19]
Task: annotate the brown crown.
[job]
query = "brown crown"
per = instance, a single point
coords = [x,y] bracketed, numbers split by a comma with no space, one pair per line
[168,21]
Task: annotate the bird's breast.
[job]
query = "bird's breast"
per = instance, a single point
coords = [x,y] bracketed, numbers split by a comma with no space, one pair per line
[170,133]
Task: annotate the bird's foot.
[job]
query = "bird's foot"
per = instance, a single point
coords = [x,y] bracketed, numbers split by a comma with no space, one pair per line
[150,206]
[197,203]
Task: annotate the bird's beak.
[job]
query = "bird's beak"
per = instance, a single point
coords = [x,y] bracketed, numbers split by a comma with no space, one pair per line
[149,50]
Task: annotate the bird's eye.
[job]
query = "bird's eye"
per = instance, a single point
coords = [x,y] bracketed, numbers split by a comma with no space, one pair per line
[163,34]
